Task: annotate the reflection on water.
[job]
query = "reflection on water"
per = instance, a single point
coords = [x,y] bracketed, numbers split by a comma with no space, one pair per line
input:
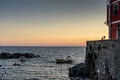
[42,68]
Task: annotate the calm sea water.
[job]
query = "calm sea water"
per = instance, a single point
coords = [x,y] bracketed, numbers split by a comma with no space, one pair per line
[42,68]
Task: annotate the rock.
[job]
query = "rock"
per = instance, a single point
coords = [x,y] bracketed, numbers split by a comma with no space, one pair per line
[16,64]
[79,78]
[5,55]
[79,71]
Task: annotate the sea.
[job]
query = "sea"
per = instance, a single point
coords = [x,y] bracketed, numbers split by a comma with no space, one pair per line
[43,67]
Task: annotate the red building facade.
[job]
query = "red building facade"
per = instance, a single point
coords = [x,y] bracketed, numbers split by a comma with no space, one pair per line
[113,19]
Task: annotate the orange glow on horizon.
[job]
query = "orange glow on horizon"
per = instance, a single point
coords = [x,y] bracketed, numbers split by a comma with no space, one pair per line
[49,42]
[69,33]
[51,25]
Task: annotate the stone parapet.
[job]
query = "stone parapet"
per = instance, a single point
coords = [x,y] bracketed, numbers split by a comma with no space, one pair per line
[102,61]
[108,58]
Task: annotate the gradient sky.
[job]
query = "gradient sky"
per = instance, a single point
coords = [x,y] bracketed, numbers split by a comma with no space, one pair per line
[51,22]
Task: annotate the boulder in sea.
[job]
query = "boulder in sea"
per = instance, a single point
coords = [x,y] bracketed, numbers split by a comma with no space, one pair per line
[5,55]
[79,72]
[16,64]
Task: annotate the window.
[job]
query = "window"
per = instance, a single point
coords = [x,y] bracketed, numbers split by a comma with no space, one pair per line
[115,9]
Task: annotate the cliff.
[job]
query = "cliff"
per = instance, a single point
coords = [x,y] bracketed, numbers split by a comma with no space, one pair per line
[102,61]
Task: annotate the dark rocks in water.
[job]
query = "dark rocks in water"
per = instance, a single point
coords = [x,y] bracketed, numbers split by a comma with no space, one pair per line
[5,55]
[85,70]
[79,71]
[15,64]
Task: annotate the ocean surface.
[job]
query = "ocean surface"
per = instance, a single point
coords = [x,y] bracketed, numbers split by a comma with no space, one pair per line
[42,68]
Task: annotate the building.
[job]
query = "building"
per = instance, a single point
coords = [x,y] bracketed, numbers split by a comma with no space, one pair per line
[102,59]
[113,19]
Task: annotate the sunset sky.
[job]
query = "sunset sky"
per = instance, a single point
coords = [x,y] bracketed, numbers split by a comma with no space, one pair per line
[51,22]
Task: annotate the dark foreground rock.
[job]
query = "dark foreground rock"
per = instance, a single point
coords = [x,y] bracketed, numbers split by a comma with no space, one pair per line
[85,70]
[79,78]
[79,72]
[5,55]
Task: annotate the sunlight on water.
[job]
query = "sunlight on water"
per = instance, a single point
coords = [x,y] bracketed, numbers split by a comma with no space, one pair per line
[42,68]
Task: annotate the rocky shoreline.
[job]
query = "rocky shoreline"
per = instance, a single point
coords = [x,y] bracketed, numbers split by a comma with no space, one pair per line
[101,62]
[6,55]
[85,71]
[79,71]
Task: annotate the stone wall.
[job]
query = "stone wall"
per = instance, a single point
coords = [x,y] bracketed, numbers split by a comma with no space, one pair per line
[107,63]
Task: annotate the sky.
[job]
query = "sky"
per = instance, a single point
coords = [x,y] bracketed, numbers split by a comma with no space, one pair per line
[51,22]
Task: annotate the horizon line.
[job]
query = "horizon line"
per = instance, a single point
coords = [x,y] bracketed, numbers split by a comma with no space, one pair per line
[42,46]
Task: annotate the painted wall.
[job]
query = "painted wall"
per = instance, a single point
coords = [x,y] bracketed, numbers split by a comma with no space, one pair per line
[113,20]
